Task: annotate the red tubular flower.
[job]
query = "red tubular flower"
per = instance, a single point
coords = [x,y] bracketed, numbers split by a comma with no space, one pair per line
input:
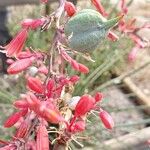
[83,68]
[17,44]
[123,6]
[42,140]
[25,54]
[50,87]
[10,61]
[22,130]
[24,111]
[133,53]
[31,144]
[21,104]
[99,7]
[19,66]
[106,119]
[98,97]
[33,102]
[50,113]
[4,142]
[53,116]
[12,120]
[44,109]
[70,8]
[44,1]
[130,26]
[74,79]
[8,147]
[35,85]
[65,56]
[112,36]
[32,23]
[75,65]
[78,126]
[146,25]
[85,104]
[43,70]
[137,40]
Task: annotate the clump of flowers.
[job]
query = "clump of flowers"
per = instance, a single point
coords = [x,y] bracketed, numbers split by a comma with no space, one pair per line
[130,28]
[47,116]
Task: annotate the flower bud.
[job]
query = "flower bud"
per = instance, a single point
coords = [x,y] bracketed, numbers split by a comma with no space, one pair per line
[83,68]
[12,120]
[98,97]
[35,84]
[33,23]
[32,101]
[19,66]
[20,133]
[85,104]
[44,1]
[74,79]
[106,119]
[112,36]
[70,8]
[42,140]
[21,104]
[78,126]
[99,7]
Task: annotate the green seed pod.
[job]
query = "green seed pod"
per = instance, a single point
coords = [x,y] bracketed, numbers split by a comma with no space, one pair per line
[86,30]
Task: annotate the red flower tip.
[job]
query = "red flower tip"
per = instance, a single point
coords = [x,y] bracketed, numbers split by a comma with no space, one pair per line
[43,70]
[70,8]
[78,126]
[112,36]
[52,115]
[25,54]
[10,61]
[138,41]
[98,97]
[17,44]
[42,140]
[74,79]
[32,23]
[21,104]
[85,104]
[99,7]
[35,84]
[24,111]
[106,119]
[32,101]
[83,68]
[75,65]
[12,120]
[44,1]
[50,85]
[123,6]
[19,66]
[21,132]
[132,54]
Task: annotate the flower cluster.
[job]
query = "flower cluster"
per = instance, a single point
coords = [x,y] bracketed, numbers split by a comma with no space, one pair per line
[17,44]
[131,30]
[48,114]
[46,105]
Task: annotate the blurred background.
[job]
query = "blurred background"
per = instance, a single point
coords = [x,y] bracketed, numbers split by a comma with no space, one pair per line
[125,83]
